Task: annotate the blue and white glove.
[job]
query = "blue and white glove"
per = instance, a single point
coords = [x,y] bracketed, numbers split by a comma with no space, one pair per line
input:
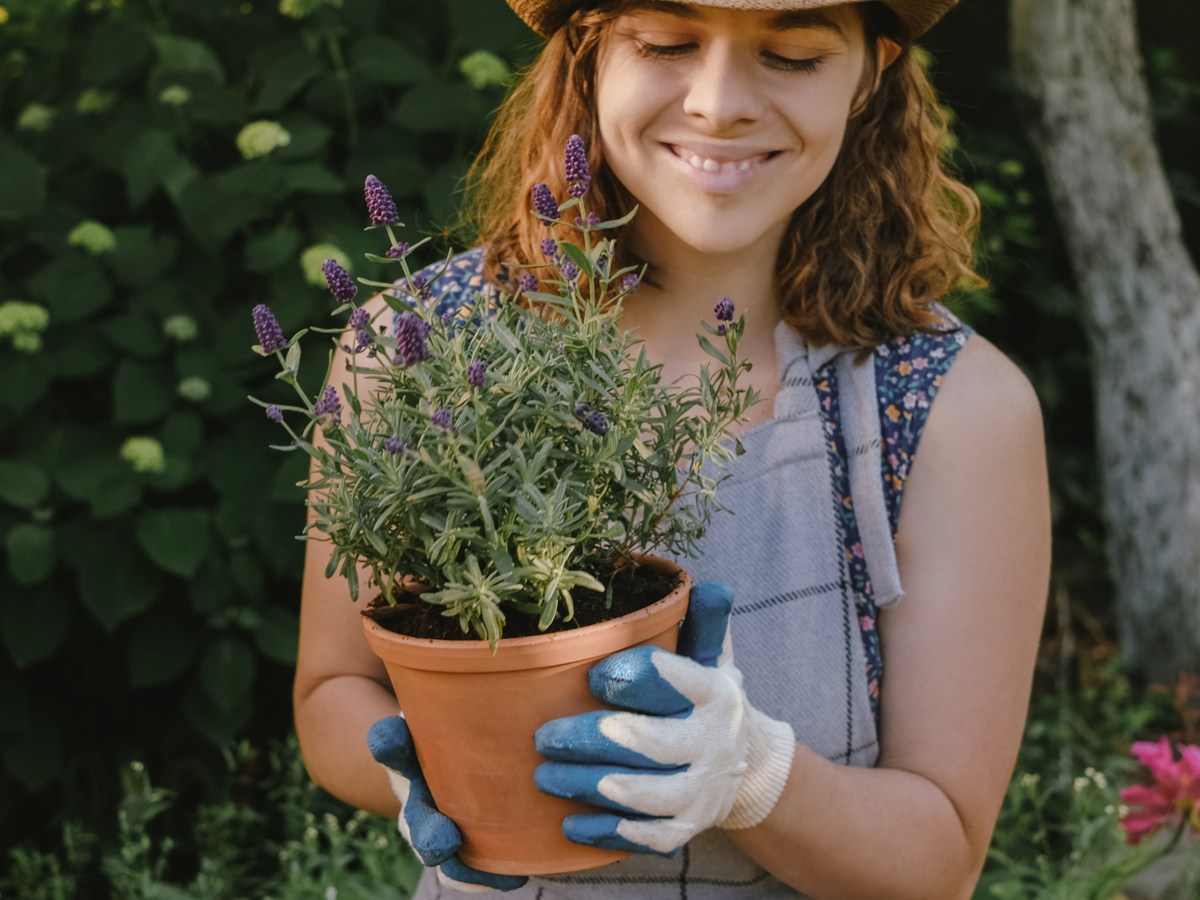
[432,835]
[691,753]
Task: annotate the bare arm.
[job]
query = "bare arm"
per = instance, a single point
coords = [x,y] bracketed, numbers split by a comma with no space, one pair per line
[341,688]
[974,554]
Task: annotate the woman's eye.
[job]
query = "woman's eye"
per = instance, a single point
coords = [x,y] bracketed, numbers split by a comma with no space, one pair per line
[789,64]
[663,51]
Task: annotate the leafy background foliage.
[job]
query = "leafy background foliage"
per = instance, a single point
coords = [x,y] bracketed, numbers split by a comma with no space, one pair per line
[148,605]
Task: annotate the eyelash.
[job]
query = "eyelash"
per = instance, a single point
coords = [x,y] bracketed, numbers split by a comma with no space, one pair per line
[673,51]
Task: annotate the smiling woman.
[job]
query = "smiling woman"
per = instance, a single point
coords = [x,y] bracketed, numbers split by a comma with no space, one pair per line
[785,154]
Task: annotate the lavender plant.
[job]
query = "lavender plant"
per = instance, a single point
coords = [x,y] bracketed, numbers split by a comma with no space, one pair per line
[516,451]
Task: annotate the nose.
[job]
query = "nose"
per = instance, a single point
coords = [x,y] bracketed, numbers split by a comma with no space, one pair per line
[724,88]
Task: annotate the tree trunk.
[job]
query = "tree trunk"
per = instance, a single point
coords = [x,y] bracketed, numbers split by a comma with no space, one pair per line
[1079,70]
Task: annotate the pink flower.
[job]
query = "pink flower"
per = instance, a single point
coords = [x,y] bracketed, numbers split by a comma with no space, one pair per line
[1174,795]
[866,623]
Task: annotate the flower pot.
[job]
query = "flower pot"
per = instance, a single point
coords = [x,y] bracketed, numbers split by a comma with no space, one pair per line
[473,713]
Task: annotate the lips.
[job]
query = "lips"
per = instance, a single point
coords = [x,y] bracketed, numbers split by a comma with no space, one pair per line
[724,163]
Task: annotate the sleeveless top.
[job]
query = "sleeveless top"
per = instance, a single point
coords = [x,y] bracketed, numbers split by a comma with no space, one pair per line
[807,548]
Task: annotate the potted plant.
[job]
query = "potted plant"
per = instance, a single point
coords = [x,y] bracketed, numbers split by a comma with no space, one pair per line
[501,472]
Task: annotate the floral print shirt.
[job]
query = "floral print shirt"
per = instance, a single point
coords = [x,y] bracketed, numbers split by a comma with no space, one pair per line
[909,370]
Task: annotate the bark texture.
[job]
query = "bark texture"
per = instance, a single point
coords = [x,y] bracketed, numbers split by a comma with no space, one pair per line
[1079,70]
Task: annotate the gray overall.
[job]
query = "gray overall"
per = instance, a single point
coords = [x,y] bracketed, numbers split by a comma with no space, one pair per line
[796,634]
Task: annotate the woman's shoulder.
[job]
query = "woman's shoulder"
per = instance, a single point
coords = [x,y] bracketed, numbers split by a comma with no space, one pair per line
[448,282]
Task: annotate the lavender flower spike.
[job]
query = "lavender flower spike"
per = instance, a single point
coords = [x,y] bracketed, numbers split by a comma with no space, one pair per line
[411,333]
[329,407]
[266,326]
[544,203]
[441,418]
[724,310]
[341,285]
[527,282]
[596,423]
[550,248]
[477,373]
[579,176]
[394,445]
[380,204]
[274,413]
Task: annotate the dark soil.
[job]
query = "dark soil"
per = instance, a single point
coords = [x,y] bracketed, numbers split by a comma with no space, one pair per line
[633,588]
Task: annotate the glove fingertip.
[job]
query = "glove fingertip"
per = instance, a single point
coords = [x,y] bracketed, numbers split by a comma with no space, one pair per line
[390,743]
[702,635]
[457,870]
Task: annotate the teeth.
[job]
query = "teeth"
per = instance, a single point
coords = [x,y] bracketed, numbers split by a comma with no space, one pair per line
[696,161]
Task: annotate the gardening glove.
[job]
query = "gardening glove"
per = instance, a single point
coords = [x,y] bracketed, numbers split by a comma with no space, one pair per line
[690,754]
[432,835]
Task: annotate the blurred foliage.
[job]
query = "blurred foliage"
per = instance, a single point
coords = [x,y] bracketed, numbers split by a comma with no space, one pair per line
[166,165]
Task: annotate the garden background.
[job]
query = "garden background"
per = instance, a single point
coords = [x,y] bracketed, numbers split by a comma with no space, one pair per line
[164,166]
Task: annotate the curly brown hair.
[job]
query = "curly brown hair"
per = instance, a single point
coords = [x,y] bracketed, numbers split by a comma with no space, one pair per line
[889,233]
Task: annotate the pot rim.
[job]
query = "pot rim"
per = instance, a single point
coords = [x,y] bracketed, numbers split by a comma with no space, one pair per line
[537,651]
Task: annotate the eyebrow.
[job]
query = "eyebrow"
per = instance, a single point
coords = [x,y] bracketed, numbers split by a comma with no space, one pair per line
[784,21]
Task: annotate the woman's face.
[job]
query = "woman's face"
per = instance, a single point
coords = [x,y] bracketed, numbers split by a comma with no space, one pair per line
[722,122]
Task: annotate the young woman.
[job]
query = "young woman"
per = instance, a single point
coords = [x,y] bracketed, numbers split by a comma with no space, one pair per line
[784,153]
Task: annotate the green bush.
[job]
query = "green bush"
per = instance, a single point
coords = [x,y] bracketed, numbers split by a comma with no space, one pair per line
[164,167]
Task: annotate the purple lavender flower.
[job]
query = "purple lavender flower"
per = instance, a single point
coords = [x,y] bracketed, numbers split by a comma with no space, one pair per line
[274,413]
[421,288]
[380,204]
[724,310]
[394,445]
[329,407]
[441,418]
[583,409]
[596,423]
[527,282]
[358,319]
[341,285]
[411,333]
[721,329]
[550,248]
[630,283]
[569,270]
[398,252]
[544,203]
[593,220]
[266,326]
[579,177]
[477,373]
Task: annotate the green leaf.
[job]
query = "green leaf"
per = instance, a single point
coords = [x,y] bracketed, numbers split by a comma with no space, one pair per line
[32,371]
[437,106]
[213,215]
[31,553]
[73,286]
[142,257]
[712,351]
[286,77]
[23,484]
[311,178]
[113,50]
[141,392]
[309,136]
[214,722]
[182,433]
[105,481]
[180,54]
[277,635]
[76,353]
[22,183]
[227,673]
[114,580]
[34,758]
[33,628]
[175,539]
[160,648]
[579,258]
[136,333]
[272,249]
[385,61]
[151,161]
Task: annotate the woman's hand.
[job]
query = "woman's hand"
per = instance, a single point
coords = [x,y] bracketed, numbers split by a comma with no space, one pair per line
[432,835]
[691,753]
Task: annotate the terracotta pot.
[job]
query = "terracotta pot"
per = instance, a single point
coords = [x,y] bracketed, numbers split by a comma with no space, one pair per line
[473,714]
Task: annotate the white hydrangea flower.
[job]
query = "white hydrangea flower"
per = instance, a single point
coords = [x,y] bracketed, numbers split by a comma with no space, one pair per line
[35,117]
[194,388]
[145,454]
[180,328]
[94,237]
[484,69]
[261,138]
[314,257]
[174,95]
[93,101]
[24,323]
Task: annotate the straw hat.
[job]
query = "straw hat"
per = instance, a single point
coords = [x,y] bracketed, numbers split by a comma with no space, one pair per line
[917,16]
